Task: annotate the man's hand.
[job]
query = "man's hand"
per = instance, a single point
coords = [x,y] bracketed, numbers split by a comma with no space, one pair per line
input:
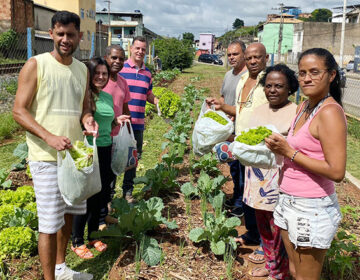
[121,119]
[156,101]
[91,126]
[59,143]
[217,103]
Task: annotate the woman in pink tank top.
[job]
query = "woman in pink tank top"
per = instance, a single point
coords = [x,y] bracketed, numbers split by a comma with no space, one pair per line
[314,157]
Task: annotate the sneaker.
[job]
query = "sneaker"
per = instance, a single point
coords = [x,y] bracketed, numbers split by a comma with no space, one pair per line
[237,212]
[70,274]
[130,199]
[229,203]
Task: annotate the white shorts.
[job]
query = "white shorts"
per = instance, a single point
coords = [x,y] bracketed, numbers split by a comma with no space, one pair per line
[310,222]
[51,207]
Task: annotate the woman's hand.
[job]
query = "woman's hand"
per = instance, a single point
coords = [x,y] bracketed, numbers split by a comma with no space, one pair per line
[121,119]
[278,144]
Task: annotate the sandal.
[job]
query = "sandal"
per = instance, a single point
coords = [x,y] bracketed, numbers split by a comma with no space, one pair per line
[259,272]
[254,256]
[98,245]
[82,252]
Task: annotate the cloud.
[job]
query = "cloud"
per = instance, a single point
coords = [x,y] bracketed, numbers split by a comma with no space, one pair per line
[172,18]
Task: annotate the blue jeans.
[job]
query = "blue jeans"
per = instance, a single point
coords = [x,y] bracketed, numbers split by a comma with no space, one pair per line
[128,182]
[237,171]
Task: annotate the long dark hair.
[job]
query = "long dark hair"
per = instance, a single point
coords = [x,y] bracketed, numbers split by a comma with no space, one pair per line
[330,63]
[292,81]
[91,65]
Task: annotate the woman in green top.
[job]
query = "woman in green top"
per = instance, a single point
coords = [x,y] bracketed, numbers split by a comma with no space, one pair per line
[103,109]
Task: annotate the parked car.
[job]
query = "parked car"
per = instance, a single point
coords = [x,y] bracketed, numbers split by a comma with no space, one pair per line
[210,58]
[342,77]
[350,66]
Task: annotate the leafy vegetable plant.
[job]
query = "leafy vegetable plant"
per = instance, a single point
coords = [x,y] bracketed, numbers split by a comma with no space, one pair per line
[206,163]
[4,183]
[135,221]
[17,242]
[22,196]
[21,151]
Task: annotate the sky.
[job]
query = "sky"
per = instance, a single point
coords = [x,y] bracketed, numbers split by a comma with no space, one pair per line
[174,17]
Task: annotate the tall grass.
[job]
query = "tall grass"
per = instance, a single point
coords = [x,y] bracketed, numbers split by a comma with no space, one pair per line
[7,126]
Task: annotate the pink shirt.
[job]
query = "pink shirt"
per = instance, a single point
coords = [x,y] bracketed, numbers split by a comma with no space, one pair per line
[120,93]
[298,181]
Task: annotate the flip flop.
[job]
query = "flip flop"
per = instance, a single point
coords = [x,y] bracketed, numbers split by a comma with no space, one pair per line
[252,257]
[266,272]
[82,251]
[98,245]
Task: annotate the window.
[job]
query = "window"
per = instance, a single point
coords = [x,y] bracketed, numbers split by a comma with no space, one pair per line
[82,13]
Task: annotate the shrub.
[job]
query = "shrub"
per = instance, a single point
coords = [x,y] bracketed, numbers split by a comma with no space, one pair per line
[7,41]
[7,126]
[17,242]
[174,53]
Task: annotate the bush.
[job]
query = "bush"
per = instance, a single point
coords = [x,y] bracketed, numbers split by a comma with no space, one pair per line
[7,41]
[174,53]
[7,126]
[17,242]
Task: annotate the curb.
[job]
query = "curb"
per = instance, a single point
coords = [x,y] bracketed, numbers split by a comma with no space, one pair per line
[352,179]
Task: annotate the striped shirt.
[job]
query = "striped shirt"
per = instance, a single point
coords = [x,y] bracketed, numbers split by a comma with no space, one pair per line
[140,86]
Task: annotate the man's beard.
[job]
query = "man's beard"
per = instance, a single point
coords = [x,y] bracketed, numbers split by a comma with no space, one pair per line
[62,54]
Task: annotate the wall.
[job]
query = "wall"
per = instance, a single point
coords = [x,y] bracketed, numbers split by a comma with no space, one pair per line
[42,18]
[206,42]
[270,37]
[328,35]
[85,9]
[16,14]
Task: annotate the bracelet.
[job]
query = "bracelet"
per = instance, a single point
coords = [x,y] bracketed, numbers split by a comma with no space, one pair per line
[293,156]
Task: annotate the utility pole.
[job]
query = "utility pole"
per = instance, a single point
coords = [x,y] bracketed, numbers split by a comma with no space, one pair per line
[342,36]
[280,31]
[109,29]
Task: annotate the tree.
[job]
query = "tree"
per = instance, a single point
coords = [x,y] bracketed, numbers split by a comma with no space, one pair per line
[174,53]
[188,36]
[321,15]
[238,23]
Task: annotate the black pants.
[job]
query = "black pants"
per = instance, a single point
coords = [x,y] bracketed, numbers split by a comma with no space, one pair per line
[96,202]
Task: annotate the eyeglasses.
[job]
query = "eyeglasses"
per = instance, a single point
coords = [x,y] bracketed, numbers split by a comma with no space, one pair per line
[314,74]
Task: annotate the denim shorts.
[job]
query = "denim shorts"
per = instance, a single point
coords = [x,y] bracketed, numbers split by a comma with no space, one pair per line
[310,222]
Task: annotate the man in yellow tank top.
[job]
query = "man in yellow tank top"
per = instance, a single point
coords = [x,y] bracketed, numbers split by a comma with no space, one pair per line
[52,101]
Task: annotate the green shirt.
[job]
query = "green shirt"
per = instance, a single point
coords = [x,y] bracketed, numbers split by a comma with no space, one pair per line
[104,115]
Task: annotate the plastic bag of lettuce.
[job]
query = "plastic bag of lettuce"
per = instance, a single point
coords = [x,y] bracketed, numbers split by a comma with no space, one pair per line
[211,127]
[250,149]
[78,172]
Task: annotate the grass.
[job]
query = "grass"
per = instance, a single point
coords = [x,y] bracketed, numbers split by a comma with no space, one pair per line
[7,126]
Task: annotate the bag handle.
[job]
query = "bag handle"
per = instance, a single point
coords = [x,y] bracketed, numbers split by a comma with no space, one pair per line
[158,110]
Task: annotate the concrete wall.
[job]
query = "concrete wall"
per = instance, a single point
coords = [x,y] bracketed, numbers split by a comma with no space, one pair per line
[270,37]
[327,35]
[42,18]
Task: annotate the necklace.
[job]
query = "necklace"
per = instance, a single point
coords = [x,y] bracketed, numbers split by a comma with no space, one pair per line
[311,111]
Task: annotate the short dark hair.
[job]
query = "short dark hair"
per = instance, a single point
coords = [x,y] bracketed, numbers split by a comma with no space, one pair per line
[65,18]
[139,38]
[292,81]
[331,64]
[240,43]
[113,47]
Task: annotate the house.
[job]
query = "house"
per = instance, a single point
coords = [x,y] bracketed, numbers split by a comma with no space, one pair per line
[124,26]
[352,14]
[206,42]
[16,15]
[325,35]
[86,11]
[268,34]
